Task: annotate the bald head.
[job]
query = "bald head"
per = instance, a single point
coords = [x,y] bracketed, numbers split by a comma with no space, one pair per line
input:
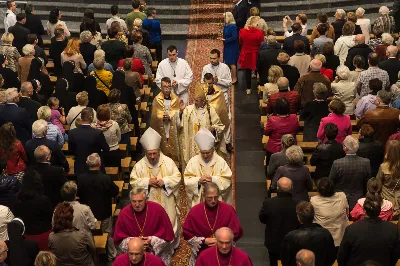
[284,184]
[283,84]
[224,237]
[135,250]
[359,39]
[305,258]
[26,88]
[42,154]
[392,51]
[224,232]
[315,65]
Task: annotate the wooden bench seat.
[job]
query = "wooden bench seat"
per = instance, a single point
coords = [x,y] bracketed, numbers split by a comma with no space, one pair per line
[134,141]
[101,242]
[125,164]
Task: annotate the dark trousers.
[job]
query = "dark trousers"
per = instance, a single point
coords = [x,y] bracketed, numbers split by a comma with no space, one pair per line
[397,21]
[273,258]
[248,78]
[158,47]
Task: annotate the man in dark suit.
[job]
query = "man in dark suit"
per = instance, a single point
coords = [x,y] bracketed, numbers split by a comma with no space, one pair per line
[20,32]
[360,49]
[279,216]
[267,58]
[39,130]
[39,52]
[370,239]
[392,64]
[290,72]
[240,13]
[309,236]
[351,173]
[53,177]
[26,102]
[288,44]
[86,140]
[18,116]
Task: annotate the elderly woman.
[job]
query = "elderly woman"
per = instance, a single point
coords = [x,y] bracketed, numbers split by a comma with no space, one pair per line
[11,52]
[45,258]
[300,60]
[24,63]
[337,116]
[343,89]
[111,132]
[384,23]
[374,192]
[279,158]
[231,44]
[367,102]
[53,132]
[345,42]
[359,64]
[120,113]
[72,53]
[250,39]
[389,175]
[297,172]
[55,22]
[365,23]
[274,73]
[279,124]
[142,52]
[100,54]
[74,113]
[103,77]
[324,71]
[331,209]
[314,111]
[86,48]
[70,245]
[380,49]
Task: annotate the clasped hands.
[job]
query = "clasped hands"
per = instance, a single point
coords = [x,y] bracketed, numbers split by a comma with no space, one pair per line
[210,241]
[166,117]
[156,182]
[146,241]
[204,179]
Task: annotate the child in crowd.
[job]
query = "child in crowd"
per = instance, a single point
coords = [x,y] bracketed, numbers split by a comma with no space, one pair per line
[57,115]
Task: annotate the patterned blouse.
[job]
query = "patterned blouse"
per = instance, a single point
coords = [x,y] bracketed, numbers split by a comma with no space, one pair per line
[143,53]
[120,113]
[12,55]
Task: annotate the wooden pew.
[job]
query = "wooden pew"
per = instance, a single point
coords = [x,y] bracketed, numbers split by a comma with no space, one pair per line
[101,242]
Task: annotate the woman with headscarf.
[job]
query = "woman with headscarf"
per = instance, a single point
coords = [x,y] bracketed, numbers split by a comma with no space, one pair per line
[21,252]
[38,73]
[10,77]
[96,97]
[75,79]
[67,98]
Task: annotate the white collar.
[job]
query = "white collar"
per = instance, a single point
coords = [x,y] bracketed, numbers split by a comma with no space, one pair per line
[238,2]
[12,103]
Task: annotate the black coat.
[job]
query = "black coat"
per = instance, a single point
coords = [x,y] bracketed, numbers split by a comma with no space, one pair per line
[10,78]
[19,117]
[360,49]
[288,43]
[338,26]
[96,190]
[55,50]
[240,13]
[9,186]
[292,74]
[87,51]
[39,52]
[34,25]
[279,216]
[20,36]
[373,151]
[53,178]
[312,237]
[324,156]
[57,156]
[369,239]
[392,67]
[84,141]
[266,58]
[31,106]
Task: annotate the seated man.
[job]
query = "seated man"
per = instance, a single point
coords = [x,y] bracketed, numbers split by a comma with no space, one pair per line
[137,256]
[205,218]
[310,236]
[159,176]
[147,220]
[224,253]
[207,167]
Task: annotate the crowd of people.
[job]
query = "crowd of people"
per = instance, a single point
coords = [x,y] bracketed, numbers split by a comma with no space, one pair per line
[85,107]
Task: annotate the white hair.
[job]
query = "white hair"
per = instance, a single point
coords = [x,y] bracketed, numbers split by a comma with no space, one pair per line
[352,144]
[294,155]
[28,49]
[39,128]
[387,38]
[384,10]
[360,12]
[227,229]
[11,94]
[343,72]
[93,160]
[341,13]
[315,65]
[99,53]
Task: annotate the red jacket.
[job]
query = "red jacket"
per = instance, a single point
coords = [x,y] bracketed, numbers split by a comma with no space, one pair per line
[137,66]
[250,39]
[16,162]
[276,127]
[293,98]
[341,121]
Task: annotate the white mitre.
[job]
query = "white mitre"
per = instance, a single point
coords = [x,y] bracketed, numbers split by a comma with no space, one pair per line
[204,139]
[150,140]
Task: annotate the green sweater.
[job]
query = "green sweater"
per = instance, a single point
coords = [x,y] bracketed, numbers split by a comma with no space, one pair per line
[130,18]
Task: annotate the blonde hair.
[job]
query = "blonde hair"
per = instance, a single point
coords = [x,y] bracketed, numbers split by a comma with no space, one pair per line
[86,36]
[44,113]
[252,22]
[283,58]
[45,258]
[99,53]
[321,58]
[274,73]
[82,98]
[387,38]
[360,12]
[229,19]
[137,22]
[72,47]
[7,37]
[28,49]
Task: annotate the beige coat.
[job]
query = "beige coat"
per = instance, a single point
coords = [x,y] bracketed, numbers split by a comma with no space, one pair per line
[301,61]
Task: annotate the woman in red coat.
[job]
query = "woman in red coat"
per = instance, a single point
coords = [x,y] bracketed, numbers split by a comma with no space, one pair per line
[250,39]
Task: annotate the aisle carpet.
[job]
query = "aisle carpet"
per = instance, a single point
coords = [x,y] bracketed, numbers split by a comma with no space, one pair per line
[206,24]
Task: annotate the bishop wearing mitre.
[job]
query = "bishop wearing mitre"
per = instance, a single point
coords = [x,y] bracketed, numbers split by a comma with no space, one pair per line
[192,118]
[159,176]
[206,167]
[165,109]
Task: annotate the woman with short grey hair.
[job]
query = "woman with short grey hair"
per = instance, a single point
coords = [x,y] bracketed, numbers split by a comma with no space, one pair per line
[344,89]
[297,172]
[74,114]
[279,158]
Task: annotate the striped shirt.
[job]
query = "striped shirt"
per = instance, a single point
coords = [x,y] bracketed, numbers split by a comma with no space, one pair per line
[371,73]
[54,133]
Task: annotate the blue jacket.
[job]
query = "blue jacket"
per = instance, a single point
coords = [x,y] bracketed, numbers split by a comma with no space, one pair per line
[154,28]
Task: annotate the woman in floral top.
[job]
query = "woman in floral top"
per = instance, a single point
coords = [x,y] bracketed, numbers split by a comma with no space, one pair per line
[120,113]
[142,52]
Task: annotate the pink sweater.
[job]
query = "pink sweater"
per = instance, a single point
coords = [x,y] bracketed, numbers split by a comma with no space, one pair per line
[341,121]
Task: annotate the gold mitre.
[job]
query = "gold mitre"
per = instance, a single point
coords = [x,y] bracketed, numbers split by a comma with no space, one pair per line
[199,93]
